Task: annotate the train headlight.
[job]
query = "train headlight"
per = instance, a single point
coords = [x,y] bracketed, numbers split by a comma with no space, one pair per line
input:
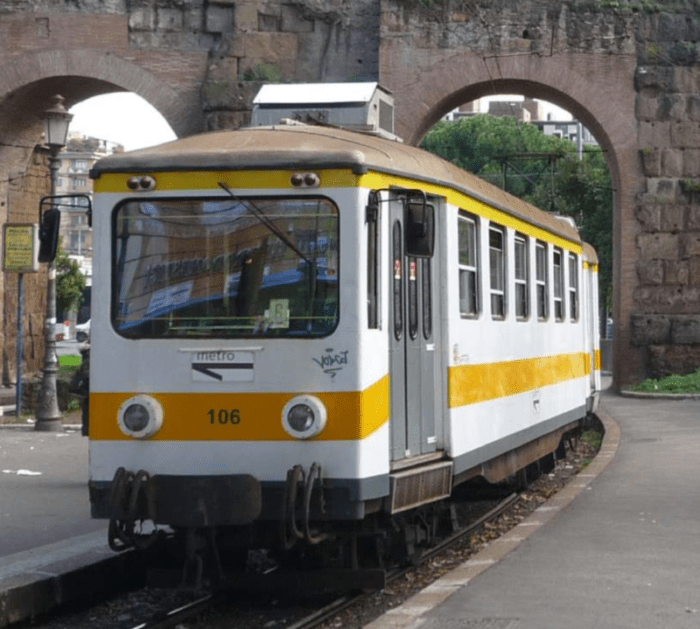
[304,417]
[140,416]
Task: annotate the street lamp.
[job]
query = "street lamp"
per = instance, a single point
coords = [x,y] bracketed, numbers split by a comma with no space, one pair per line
[48,415]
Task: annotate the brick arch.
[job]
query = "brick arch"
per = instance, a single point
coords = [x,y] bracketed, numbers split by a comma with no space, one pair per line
[26,87]
[598,91]
[27,84]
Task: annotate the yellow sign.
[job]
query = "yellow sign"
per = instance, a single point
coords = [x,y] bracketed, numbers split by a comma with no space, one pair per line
[21,247]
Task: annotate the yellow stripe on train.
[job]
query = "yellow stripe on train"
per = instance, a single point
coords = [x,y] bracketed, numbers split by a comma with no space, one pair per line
[330,178]
[470,384]
[352,415]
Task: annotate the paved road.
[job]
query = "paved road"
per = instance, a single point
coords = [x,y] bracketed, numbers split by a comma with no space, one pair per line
[37,509]
[66,348]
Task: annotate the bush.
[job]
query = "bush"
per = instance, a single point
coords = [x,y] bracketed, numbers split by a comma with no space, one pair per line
[671,384]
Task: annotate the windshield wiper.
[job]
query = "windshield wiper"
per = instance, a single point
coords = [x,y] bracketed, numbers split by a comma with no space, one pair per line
[267,223]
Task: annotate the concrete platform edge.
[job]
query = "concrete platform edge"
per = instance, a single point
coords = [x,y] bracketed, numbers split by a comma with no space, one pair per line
[410,614]
[29,594]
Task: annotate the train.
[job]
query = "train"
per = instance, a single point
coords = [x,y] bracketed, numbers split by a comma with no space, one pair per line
[305,336]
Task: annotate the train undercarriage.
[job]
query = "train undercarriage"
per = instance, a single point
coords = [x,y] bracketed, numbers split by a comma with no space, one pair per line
[300,546]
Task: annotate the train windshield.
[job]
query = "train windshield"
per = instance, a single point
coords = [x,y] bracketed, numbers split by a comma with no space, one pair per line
[225,268]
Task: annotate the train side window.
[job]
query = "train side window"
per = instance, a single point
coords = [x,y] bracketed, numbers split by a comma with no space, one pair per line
[427,297]
[497,269]
[373,264]
[573,286]
[541,280]
[558,272]
[522,280]
[398,281]
[413,298]
[468,266]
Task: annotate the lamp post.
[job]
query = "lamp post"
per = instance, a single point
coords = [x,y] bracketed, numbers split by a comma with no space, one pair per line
[48,415]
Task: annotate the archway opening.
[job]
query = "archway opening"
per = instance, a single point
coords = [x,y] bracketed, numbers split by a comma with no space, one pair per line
[543,152]
[123,118]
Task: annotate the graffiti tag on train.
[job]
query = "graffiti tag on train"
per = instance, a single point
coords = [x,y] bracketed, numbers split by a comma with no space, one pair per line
[332,362]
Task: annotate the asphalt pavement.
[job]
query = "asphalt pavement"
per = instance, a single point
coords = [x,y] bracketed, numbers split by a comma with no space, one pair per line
[623,555]
[44,488]
[43,483]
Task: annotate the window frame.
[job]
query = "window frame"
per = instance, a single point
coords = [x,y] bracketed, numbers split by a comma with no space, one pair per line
[542,283]
[501,273]
[115,236]
[558,282]
[521,282]
[373,273]
[466,270]
[574,311]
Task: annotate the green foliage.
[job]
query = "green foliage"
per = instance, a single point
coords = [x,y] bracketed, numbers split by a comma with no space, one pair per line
[70,360]
[671,384]
[479,144]
[264,72]
[690,185]
[592,438]
[70,284]
[578,188]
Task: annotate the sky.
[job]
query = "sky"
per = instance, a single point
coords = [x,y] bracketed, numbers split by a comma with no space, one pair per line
[124,118]
[129,120]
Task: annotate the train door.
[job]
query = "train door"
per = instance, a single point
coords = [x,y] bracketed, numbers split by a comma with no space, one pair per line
[414,327]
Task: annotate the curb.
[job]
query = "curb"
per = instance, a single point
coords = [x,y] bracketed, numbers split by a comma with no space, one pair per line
[29,426]
[411,612]
[646,395]
[37,588]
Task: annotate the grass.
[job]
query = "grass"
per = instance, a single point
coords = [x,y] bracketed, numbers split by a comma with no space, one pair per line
[70,361]
[671,384]
[592,438]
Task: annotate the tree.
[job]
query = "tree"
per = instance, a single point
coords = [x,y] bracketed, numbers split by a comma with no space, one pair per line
[480,144]
[583,189]
[578,188]
[70,283]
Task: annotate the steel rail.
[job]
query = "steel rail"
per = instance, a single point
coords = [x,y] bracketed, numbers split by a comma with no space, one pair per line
[165,620]
[170,619]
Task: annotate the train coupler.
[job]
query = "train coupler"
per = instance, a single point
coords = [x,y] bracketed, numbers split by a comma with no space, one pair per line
[300,483]
[132,497]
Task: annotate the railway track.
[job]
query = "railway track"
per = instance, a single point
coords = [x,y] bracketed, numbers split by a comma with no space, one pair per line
[317,617]
[482,523]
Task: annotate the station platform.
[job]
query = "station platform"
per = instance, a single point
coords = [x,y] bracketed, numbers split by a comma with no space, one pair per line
[618,548]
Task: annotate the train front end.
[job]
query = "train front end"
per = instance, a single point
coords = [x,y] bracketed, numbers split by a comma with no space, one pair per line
[231,385]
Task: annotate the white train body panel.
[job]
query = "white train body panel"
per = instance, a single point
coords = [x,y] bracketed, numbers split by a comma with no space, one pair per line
[431,380]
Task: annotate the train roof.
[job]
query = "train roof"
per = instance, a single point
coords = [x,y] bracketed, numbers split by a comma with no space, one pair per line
[589,253]
[297,146]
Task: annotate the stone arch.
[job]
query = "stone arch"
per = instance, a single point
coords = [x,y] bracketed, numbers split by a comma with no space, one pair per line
[598,91]
[27,84]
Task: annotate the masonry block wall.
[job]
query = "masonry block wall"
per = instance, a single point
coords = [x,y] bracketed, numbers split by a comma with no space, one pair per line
[199,62]
[665,314]
[628,69]
[23,194]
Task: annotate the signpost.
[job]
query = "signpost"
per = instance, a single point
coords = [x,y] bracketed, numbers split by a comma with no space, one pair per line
[21,255]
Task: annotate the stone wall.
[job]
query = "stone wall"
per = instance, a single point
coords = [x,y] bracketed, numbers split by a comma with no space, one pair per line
[24,191]
[628,69]
[199,62]
[665,313]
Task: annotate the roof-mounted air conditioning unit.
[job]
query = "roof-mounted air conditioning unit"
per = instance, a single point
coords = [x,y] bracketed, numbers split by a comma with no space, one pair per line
[364,107]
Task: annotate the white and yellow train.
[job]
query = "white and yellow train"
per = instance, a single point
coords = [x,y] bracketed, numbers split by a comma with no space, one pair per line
[298,331]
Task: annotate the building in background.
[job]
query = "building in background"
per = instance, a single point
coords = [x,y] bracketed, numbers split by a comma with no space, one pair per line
[532,111]
[77,159]
[568,130]
[464,111]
